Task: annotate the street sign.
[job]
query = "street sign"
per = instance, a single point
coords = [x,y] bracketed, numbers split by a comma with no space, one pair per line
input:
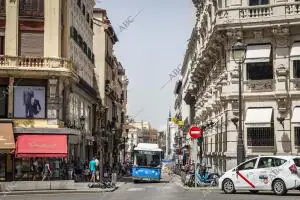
[195,132]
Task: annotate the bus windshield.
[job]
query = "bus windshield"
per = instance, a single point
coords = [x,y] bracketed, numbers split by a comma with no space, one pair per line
[148,158]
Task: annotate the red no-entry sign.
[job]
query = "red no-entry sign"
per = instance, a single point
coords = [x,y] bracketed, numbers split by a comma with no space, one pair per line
[195,132]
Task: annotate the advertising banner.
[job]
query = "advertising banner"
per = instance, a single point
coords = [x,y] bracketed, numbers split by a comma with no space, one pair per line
[29,102]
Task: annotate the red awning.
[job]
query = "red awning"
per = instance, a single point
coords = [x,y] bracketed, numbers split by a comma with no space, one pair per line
[30,146]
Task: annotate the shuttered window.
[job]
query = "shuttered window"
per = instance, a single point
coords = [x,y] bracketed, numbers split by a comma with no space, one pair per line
[32,44]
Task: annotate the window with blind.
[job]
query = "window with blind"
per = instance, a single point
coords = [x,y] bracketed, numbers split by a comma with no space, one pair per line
[32,44]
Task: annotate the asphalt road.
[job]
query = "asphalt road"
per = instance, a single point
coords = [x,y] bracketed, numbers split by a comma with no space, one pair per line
[154,191]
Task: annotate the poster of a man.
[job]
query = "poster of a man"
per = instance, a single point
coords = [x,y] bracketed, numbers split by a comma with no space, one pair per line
[29,102]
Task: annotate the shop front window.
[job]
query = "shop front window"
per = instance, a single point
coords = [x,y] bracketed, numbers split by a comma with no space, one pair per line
[32,169]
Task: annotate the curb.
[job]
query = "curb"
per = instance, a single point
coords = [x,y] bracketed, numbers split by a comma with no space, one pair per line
[57,191]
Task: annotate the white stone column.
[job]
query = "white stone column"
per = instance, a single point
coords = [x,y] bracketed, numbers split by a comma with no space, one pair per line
[12,28]
[52,33]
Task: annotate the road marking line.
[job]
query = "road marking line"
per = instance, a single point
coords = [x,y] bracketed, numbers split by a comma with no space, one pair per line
[135,189]
[245,179]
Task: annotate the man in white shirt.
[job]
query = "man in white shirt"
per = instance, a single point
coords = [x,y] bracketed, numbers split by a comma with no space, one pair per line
[97,168]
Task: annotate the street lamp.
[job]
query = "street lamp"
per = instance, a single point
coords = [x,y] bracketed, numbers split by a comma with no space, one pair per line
[238,54]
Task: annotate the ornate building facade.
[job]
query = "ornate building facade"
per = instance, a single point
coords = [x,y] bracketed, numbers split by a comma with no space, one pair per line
[112,85]
[270,93]
[47,81]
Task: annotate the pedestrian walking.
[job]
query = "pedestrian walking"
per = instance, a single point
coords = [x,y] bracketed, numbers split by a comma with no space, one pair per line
[93,169]
[47,171]
[97,169]
[124,168]
[35,170]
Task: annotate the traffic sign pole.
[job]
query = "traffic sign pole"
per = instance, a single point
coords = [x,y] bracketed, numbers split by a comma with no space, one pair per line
[195,133]
[196,165]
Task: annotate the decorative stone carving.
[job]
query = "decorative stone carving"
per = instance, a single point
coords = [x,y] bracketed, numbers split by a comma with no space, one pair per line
[234,73]
[235,105]
[265,85]
[282,71]
[258,34]
[234,33]
[297,83]
[281,35]
[52,88]
[282,103]
[52,114]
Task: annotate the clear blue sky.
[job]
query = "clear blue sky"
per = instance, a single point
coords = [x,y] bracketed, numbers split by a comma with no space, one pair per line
[149,49]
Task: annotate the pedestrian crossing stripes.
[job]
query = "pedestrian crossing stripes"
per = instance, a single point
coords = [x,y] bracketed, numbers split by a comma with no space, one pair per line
[148,188]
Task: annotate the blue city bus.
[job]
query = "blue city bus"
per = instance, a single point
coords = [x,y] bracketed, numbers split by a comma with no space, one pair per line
[147,162]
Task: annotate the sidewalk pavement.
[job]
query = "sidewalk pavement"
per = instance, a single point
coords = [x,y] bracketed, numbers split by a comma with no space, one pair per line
[177,180]
[80,188]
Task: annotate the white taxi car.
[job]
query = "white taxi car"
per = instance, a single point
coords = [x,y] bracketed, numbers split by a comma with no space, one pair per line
[276,173]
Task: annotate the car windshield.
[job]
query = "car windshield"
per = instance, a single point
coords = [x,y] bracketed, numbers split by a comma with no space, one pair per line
[147,158]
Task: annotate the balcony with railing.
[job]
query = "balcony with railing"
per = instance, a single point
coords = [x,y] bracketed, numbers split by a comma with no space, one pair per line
[31,8]
[258,14]
[20,64]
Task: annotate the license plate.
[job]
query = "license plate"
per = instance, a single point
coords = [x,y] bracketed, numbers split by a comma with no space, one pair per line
[146,179]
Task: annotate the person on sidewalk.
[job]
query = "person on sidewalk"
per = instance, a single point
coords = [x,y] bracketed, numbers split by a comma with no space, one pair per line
[35,170]
[93,169]
[47,171]
[97,169]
